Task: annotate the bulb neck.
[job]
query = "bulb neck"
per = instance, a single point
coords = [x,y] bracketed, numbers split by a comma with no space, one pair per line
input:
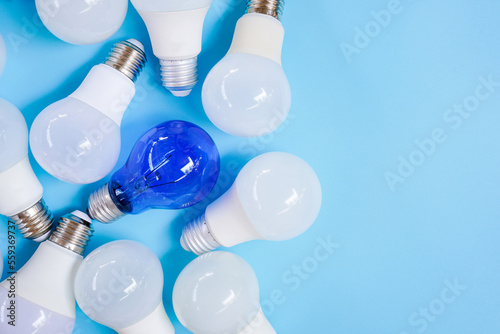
[73,232]
[179,76]
[128,58]
[259,325]
[156,322]
[35,222]
[101,206]
[197,238]
[273,8]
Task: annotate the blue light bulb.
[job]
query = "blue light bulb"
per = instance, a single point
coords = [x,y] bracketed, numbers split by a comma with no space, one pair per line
[173,166]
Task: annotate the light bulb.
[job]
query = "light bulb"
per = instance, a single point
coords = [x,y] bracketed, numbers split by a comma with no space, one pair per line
[174,165]
[21,192]
[276,196]
[39,298]
[81,21]
[119,285]
[218,293]
[3,54]
[247,93]
[175,28]
[77,139]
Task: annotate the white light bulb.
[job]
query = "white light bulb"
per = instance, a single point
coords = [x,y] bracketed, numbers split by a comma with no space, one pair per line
[247,93]
[120,285]
[82,21]
[3,54]
[39,298]
[276,196]
[77,139]
[175,28]
[218,293]
[21,192]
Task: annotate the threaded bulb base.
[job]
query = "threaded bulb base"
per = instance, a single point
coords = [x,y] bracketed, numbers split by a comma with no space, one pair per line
[179,76]
[73,232]
[127,57]
[36,222]
[196,237]
[273,8]
[102,207]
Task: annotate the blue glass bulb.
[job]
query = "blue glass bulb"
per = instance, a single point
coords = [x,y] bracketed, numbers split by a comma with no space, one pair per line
[174,165]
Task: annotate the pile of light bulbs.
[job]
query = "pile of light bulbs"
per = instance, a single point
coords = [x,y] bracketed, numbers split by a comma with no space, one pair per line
[174,165]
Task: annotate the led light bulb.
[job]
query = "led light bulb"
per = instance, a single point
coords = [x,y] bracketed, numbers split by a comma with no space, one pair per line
[81,21]
[218,293]
[175,28]
[3,55]
[247,93]
[77,139]
[276,196]
[39,298]
[120,285]
[174,165]
[21,192]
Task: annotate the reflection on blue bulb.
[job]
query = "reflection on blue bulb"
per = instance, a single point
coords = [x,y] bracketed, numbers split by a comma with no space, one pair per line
[174,165]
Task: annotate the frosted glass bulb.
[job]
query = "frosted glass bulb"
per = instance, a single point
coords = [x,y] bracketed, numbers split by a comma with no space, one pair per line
[276,196]
[3,54]
[77,139]
[175,28]
[21,192]
[81,21]
[247,93]
[120,285]
[39,298]
[218,293]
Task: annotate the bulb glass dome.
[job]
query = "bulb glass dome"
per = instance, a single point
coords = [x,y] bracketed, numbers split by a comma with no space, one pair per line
[280,193]
[174,165]
[246,95]
[81,21]
[13,136]
[216,293]
[78,147]
[119,284]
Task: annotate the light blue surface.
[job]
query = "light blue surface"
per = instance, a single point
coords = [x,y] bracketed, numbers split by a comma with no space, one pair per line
[354,119]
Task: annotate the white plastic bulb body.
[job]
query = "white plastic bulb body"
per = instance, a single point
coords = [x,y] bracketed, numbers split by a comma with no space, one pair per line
[21,191]
[175,28]
[3,54]
[77,139]
[82,22]
[120,285]
[276,196]
[247,93]
[39,298]
[218,293]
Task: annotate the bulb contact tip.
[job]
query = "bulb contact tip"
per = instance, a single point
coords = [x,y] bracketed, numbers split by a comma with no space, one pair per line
[196,237]
[36,222]
[101,206]
[179,76]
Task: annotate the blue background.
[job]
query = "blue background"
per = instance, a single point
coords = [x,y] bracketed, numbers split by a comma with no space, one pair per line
[357,115]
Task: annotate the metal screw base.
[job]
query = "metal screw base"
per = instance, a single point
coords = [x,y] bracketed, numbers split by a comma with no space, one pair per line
[127,57]
[179,76]
[196,237]
[35,222]
[273,8]
[102,207]
[73,232]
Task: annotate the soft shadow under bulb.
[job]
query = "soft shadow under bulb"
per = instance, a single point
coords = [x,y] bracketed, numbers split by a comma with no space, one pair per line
[119,285]
[77,139]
